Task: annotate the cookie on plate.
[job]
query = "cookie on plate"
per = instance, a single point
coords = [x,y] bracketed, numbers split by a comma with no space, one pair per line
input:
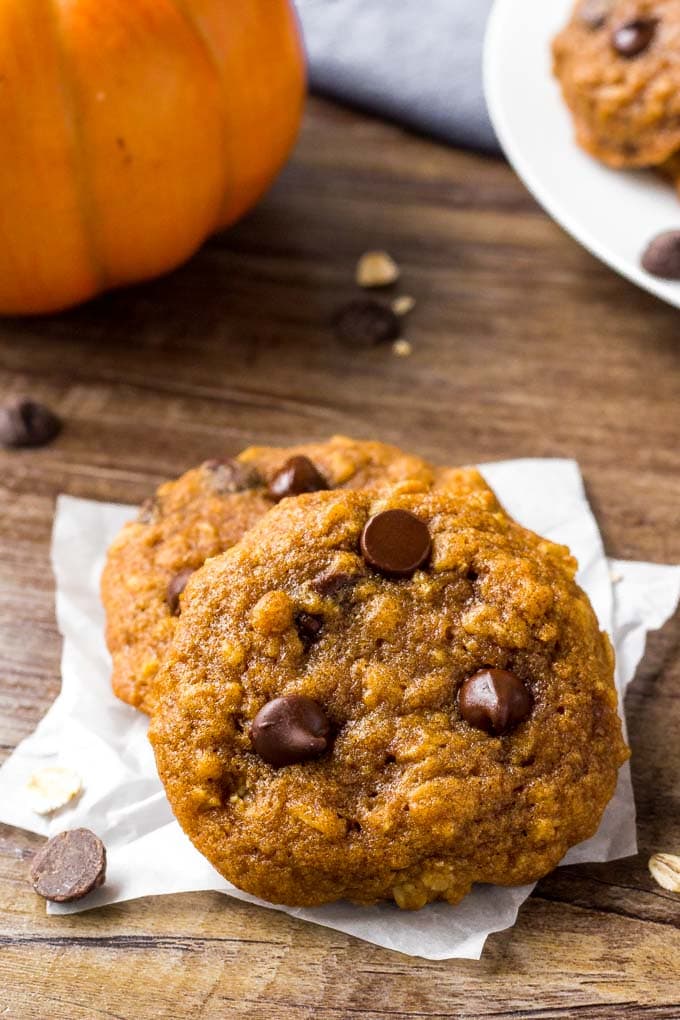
[618,62]
[387,696]
[205,512]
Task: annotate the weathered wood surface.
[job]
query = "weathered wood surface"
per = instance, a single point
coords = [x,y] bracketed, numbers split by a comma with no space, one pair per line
[523,345]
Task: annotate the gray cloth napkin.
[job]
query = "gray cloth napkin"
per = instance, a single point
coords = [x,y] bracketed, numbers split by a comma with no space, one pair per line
[415,61]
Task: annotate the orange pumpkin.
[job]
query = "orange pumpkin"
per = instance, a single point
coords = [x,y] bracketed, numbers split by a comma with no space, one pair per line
[130,131]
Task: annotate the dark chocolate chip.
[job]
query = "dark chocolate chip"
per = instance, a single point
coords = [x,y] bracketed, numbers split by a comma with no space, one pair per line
[175,589]
[662,256]
[494,700]
[230,476]
[593,13]
[290,730]
[332,582]
[27,423]
[298,475]
[396,543]
[69,866]
[366,323]
[309,628]
[633,37]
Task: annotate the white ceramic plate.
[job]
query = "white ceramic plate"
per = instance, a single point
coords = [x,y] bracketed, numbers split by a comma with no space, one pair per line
[613,213]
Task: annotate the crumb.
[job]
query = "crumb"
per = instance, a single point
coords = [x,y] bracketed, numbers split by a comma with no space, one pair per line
[402,349]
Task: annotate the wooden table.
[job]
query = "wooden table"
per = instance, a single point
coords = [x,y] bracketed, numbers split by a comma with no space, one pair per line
[523,345]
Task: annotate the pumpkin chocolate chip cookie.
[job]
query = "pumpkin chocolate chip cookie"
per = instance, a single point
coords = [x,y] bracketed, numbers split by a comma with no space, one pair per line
[618,62]
[205,512]
[387,696]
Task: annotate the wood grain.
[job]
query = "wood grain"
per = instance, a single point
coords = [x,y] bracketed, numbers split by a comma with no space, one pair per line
[522,346]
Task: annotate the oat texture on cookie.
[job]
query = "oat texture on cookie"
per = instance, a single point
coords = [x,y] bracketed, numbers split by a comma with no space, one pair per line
[205,512]
[340,718]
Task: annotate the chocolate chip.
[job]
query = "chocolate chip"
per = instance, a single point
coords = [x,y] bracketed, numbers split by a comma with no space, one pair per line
[332,582]
[290,730]
[494,700]
[396,543]
[309,628]
[69,866]
[175,589]
[593,13]
[366,323]
[230,476]
[27,423]
[633,37]
[297,475]
[662,256]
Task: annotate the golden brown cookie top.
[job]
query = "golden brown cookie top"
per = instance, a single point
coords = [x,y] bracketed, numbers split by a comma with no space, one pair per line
[387,695]
[618,62]
[205,512]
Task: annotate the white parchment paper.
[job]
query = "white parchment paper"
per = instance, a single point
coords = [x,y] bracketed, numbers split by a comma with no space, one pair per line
[88,730]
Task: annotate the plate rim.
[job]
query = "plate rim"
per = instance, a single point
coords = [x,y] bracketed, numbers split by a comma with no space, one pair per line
[665,290]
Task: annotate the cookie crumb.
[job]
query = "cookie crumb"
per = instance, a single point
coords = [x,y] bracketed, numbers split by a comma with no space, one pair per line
[51,789]
[402,349]
[403,305]
[376,269]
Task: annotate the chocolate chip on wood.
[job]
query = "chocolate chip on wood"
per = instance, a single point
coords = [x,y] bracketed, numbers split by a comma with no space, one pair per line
[27,423]
[69,866]
[366,323]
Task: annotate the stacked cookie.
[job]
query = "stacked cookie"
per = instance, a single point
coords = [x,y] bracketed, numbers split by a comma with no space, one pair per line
[618,62]
[365,680]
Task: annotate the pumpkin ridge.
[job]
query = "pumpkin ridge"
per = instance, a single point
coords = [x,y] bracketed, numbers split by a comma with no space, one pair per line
[184,10]
[85,197]
[136,129]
